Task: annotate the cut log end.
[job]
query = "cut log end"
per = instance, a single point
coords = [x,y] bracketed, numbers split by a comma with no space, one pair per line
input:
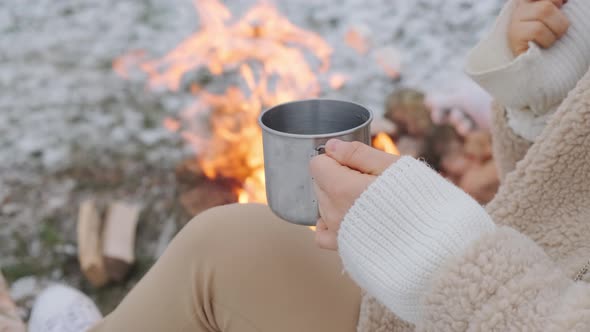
[119,239]
[117,268]
[90,244]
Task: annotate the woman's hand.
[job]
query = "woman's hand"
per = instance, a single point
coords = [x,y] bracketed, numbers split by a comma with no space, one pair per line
[540,21]
[341,176]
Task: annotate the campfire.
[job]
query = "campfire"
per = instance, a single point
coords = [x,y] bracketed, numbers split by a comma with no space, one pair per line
[274,62]
[262,59]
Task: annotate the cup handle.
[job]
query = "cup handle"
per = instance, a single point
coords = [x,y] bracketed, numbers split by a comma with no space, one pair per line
[320,149]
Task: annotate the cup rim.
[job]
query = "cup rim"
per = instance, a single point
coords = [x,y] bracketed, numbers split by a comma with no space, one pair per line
[335,134]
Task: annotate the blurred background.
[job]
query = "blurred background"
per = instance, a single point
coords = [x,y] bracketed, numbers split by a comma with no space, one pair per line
[145,111]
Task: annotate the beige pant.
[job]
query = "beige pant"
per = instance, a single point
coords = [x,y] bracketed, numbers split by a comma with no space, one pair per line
[238,268]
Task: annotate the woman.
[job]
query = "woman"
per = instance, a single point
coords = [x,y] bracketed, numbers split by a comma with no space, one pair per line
[433,257]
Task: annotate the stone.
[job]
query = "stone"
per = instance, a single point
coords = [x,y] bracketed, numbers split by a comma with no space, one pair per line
[24,288]
[478,145]
[406,108]
[481,182]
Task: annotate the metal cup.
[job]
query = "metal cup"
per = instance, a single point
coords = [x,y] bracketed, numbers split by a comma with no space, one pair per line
[294,133]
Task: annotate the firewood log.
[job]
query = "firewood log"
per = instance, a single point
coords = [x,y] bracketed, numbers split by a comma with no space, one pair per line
[119,239]
[90,244]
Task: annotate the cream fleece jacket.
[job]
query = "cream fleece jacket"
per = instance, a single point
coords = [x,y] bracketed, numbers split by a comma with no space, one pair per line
[516,276]
[532,85]
[401,243]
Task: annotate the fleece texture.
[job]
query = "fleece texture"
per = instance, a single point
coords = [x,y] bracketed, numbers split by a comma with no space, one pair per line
[520,277]
[414,219]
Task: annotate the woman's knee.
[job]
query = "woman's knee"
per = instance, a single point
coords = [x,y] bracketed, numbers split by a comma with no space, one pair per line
[240,230]
[221,221]
[226,228]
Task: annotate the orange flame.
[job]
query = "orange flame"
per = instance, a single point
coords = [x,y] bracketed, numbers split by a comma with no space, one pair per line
[337,81]
[270,55]
[384,143]
[356,38]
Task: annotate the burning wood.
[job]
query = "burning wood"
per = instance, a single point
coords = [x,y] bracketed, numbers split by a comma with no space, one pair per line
[465,160]
[357,37]
[207,194]
[384,143]
[337,81]
[406,108]
[271,56]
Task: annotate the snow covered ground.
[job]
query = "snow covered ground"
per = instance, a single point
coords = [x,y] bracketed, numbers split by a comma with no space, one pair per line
[57,87]
[63,109]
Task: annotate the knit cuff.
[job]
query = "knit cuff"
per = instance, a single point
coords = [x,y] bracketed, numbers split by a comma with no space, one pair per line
[538,80]
[493,66]
[407,224]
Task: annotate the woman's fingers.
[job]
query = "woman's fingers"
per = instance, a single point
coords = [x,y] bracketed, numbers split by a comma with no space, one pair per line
[558,3]
[538,33]
[539,21]
[324,237]
[328,173]
[359,156]
[321,225]
[323,201]
[548,13]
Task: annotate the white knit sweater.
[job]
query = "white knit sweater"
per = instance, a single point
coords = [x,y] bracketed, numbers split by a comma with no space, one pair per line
[532,85]
[402,229]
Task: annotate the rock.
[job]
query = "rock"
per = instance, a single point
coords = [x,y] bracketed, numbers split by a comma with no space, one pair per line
[406,108]
[478,145]
[454,166]
[481,182]
[441,141]
[24,288]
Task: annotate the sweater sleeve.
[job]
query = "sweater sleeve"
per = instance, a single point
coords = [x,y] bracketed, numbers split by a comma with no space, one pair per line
[533,84]
[501,280]
[407,224]
[433,256]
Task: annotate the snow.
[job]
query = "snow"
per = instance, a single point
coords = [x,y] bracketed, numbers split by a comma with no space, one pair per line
[58,94]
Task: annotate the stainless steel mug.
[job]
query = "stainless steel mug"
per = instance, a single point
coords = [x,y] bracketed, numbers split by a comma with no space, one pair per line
[294,133]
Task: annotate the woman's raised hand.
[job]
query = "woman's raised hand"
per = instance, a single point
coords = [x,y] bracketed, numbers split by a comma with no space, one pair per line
[539,21]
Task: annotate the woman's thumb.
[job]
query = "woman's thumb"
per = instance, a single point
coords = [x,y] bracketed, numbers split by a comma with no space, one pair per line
[359,156]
